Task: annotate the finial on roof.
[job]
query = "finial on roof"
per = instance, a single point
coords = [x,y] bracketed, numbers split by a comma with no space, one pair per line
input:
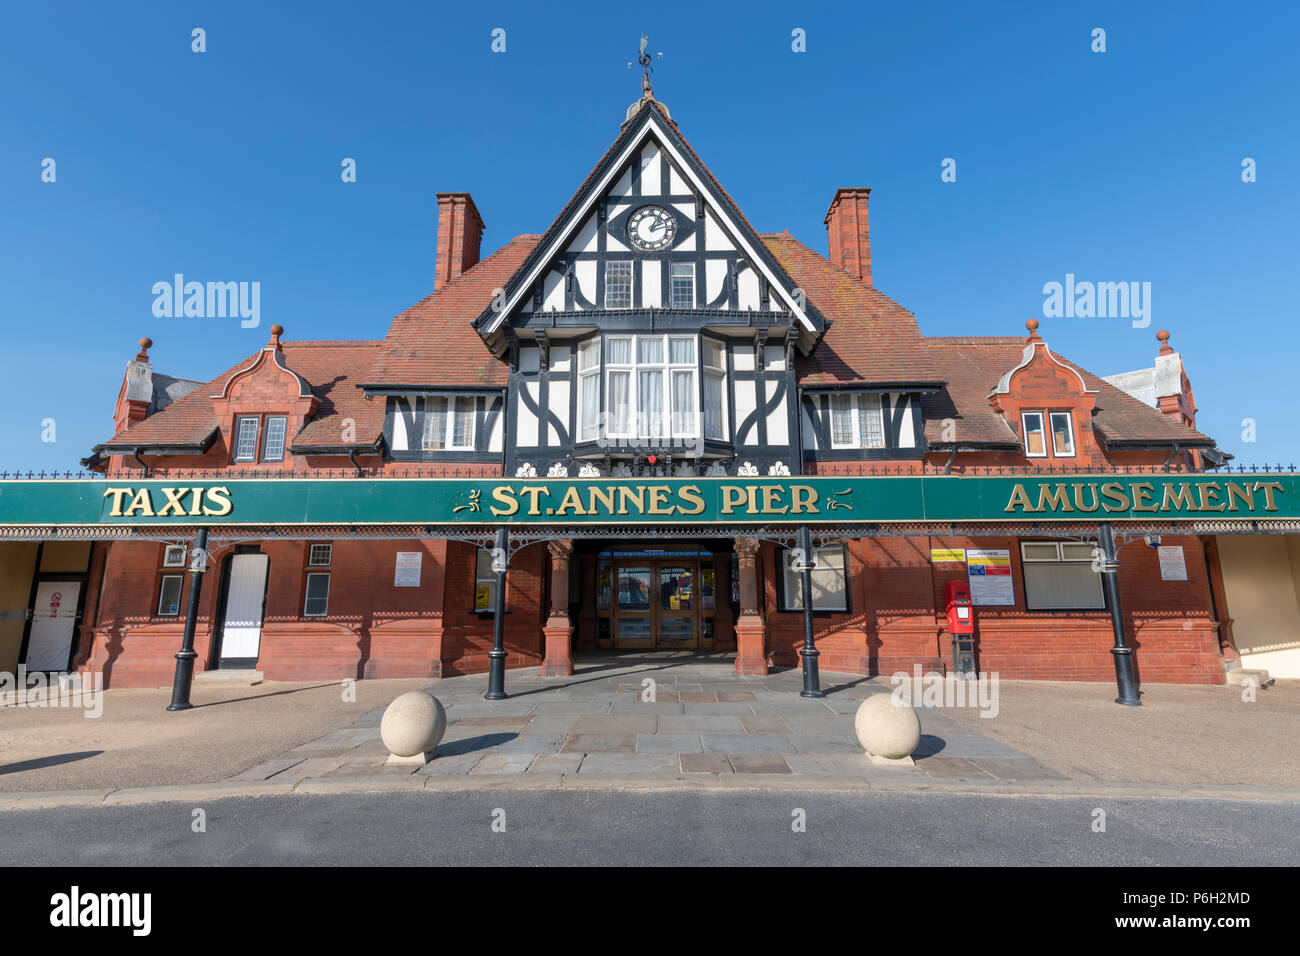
[145,345]
[1165,347]
[1032,326]
[647,92]
[276,332]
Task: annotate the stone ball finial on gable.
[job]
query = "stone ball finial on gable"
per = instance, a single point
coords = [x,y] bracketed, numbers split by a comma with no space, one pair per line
[1032,326]
[276,332]
[1165,347]
[146,344]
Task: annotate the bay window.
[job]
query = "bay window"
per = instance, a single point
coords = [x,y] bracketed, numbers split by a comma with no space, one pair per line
[715,388]
[652,390]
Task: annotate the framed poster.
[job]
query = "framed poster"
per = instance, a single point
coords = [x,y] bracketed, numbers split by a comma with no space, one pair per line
[989,572]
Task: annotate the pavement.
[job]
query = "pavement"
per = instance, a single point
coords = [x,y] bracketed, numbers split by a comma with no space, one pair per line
[627,828]
[653,721]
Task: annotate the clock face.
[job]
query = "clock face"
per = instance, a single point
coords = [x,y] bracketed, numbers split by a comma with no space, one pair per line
[651,228]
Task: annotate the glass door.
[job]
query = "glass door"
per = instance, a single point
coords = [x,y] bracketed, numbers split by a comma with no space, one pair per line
[678,606]
[633,606]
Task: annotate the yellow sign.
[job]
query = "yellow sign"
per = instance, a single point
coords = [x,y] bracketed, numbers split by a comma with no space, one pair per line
[481,598]
[940,555]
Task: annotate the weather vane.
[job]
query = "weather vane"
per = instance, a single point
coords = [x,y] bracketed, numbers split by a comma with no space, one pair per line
[645,60]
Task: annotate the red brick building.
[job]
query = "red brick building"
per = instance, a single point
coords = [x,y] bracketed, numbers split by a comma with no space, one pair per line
[649,331]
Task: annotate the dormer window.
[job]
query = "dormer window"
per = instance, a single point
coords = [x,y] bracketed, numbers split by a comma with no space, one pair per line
[448,423]
[1035,426]
[857,421]
[274,432]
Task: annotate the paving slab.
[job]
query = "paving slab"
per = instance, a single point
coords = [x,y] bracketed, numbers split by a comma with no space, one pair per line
[669,744]
[616,724]
[705,763]
[556,764]
[722,707]
[561,708]
[444,763]
[600,743]
[268,768]
[629,763]
[504,763]
[764,724]
[700,723]
[758,763]
[641,707]
[952,768]
[746,743]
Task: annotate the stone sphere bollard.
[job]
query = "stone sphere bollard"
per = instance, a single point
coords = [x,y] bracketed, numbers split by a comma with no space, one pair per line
[886,729]
[412,726]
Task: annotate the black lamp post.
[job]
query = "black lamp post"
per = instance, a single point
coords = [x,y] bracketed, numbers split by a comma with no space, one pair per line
[809,652]
[497,656]
[184,676]
[1124,676]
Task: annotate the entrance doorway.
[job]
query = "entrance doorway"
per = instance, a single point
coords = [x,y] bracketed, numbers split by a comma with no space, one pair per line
[55,611]
[240,616]
[661,600]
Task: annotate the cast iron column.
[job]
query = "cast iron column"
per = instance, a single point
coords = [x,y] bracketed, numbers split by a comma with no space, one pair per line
[1124,676]
[811,680]
[497,656]
[184,676]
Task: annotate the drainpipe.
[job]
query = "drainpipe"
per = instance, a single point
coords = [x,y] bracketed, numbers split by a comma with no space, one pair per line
[352,457]
[135,453]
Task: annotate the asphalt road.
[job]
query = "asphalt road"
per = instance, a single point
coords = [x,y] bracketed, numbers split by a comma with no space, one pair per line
[658,828]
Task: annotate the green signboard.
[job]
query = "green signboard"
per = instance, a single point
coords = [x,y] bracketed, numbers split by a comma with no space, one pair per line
[812,500]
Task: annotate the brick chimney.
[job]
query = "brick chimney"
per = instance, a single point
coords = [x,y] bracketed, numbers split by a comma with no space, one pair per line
[137,390]
[460,229]
[850,239]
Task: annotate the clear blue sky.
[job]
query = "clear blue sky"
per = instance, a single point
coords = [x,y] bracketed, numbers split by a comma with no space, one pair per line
[225,165]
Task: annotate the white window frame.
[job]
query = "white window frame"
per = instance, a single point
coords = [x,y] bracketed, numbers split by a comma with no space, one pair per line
[719,373]
[609,267]
[174,556]
[240,421]
[1069,433]
[1081,554]
[856,400]
[306,597]
[1042,430]
[452,410]
[672,287]
[266,436]
[312,555]
[792,580]
[180,595]
[638,425]
[589,430]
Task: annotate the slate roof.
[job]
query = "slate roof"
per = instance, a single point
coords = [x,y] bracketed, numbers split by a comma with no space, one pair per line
[330,368]
[972,366]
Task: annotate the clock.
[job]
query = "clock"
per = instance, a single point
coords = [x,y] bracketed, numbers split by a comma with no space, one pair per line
[651,228]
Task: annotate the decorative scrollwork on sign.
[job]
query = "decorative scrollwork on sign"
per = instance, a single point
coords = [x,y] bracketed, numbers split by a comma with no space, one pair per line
[779,469]
[835,502]
[471,505]
[588,470]
[557,470]
[747,470]
[526,470]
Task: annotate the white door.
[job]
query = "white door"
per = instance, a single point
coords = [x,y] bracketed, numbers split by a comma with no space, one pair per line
[54,618]
[241,631]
